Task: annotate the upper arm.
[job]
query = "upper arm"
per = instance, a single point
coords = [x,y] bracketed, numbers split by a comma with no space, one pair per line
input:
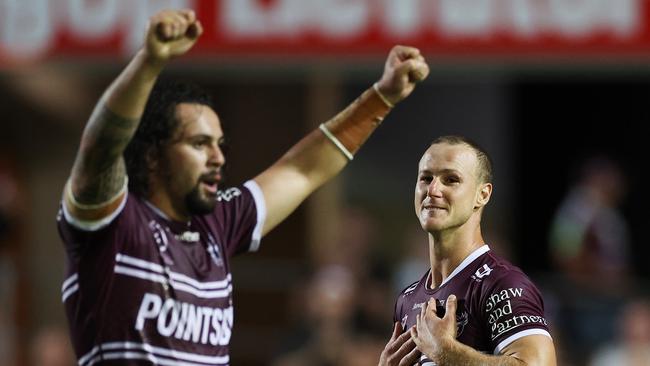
[99,171]
[532,350]
[98,179]
[283,189]
[92,216]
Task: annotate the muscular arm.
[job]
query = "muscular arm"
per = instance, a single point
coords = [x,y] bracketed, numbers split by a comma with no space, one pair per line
[305,167]
[436,337]
[532,350]
[316,158]
[99,171]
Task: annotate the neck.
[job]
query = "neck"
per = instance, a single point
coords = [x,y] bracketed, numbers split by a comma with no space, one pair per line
[164,204]
[449,248]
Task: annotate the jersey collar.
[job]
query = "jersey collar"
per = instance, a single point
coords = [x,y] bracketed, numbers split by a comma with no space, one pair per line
[466,262]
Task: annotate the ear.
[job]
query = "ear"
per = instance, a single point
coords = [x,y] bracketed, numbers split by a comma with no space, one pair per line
[483,195]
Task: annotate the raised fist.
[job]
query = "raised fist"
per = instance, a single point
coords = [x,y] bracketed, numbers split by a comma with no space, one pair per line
[404,67]
[172,33]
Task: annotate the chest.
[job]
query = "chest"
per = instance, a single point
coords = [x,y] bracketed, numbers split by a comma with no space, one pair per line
[188,266]
[470,320]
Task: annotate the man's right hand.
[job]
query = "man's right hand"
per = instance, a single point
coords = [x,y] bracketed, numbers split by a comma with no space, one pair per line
[171,33]
[400,349]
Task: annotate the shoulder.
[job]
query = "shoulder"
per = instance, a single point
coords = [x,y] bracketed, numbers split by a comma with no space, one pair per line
[243,202]
[248,193]
[497,271]
[507,284]
[408,299]
[412,292]
[410,288]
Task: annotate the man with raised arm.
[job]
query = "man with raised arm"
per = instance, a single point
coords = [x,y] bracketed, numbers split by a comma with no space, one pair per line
[147,229]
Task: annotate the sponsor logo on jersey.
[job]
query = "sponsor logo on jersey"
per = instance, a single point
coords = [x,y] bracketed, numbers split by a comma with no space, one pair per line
[189,322]
[418,305]
[482,272]
[410,289]
[228,194]
[501,308]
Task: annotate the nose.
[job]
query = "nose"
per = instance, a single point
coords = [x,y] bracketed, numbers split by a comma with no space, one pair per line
[433,190]
[216,156]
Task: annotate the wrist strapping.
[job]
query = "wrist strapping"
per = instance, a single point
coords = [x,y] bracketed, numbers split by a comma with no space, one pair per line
[336,142]
[383,97]
[351,128]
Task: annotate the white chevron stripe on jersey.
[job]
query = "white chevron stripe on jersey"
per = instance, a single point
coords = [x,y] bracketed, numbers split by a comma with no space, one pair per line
[137,262]
[69,287]
[214,285]
[179,286]
[158,355]
[69,292]
[144,275]
[178,277]
[68,281]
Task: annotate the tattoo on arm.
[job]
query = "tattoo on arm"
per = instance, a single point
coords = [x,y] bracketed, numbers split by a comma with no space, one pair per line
[99,169]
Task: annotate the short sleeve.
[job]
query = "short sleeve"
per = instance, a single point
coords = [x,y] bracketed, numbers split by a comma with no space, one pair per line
[513,308]
[79,237]
[244,211]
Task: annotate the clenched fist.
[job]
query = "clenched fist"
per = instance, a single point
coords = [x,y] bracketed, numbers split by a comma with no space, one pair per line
[404,67]
[171,33]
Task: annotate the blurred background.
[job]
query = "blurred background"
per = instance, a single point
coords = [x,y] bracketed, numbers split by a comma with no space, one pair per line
[556,90]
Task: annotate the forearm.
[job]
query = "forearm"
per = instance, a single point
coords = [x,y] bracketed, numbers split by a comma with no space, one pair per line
[350,129]
[462,354]
[116,115]
[322,154]
[128,94]
[533,350]
[317,158]
[456,353]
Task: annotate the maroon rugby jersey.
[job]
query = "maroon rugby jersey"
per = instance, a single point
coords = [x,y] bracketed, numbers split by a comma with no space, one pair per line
[497,303]
[141,289]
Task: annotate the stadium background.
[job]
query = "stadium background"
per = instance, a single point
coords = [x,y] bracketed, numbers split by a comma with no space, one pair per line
[542,84]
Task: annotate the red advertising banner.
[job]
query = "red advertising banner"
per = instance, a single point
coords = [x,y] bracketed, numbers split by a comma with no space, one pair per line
[33,30]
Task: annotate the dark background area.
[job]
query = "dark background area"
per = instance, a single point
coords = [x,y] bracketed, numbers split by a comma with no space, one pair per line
[561,120]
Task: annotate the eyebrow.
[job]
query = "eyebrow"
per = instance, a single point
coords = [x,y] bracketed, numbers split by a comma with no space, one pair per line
[441,171]
[203,136]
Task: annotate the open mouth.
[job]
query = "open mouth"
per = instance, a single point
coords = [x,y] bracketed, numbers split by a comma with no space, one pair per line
[211,183]
[211,187]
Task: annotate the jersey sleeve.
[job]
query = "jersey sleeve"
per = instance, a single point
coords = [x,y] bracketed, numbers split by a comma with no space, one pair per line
[244,212]
[512,308]
[80,236]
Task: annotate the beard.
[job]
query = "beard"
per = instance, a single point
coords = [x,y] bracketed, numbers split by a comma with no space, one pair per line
[197,205]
